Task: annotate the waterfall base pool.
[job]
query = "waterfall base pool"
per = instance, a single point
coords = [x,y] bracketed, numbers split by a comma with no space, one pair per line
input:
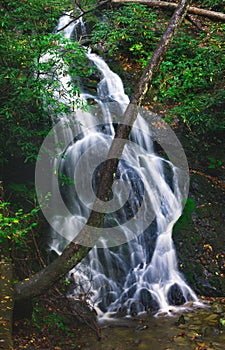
[199,329]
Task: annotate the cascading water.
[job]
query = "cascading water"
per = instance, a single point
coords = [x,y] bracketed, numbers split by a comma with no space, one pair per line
[141,274]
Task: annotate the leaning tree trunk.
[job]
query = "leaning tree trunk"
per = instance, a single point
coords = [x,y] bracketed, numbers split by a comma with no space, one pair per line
[218,16]
[74,252]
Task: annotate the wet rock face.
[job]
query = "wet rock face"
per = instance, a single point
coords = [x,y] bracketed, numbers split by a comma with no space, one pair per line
[144,302]
[148,301]
[200,240]
[175,295]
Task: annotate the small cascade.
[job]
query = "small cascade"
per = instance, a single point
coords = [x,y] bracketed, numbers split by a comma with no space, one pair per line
[70,28]
[140,275]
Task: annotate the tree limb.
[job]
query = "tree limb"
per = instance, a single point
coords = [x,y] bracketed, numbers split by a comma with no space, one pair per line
[194,23]
[83,12]
[219,16]
[74,252]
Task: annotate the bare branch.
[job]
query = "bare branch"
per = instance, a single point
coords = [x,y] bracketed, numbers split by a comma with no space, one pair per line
[83,12]
[219,16]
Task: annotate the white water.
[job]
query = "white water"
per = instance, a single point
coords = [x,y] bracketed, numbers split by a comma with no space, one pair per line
[142,274]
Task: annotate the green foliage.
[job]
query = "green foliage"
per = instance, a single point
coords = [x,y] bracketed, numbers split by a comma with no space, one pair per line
[191,79]
[42,318]
[186,217]
[215,163]
[23,194]
[65,180]
[25,36]
[56,322]
[222,322]
[132,30]
[216,5]
[15,227]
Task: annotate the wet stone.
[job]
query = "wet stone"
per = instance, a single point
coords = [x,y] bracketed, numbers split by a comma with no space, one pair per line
[128,294]
[210,331]
[134,309]
[175,295]
[217,308]
[181,320]
[107,298]
[217,346]
[193,334]
[212,318]
[196,322]
[147,301]
[180,340]
[194,327]
[122,312]
[162,314]
[140,328]
[188,304]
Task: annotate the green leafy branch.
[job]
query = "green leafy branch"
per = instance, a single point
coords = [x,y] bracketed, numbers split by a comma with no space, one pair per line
[15,227]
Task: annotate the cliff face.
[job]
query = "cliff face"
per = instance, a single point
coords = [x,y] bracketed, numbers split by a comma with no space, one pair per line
[200,235]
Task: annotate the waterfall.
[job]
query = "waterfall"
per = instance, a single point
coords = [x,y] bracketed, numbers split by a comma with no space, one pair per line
[140,274]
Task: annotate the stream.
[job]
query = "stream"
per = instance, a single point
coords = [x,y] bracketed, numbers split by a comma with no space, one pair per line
[197,329]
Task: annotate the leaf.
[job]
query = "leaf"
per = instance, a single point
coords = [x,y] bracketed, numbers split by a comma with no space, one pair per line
[222,321]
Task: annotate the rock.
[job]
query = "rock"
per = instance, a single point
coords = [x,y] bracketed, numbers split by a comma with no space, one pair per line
[181,320]
[188,304]
[141,327]
[181,340]
[193,326]
[213,318]
[203,267]
[217,308]
[210,332]
[217,346]
[175,295]
[193,334]
[149,303]
[162,314]
[135,308]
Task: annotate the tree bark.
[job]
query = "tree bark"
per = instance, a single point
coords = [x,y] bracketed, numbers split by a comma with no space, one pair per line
[172,5]
[74,252]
